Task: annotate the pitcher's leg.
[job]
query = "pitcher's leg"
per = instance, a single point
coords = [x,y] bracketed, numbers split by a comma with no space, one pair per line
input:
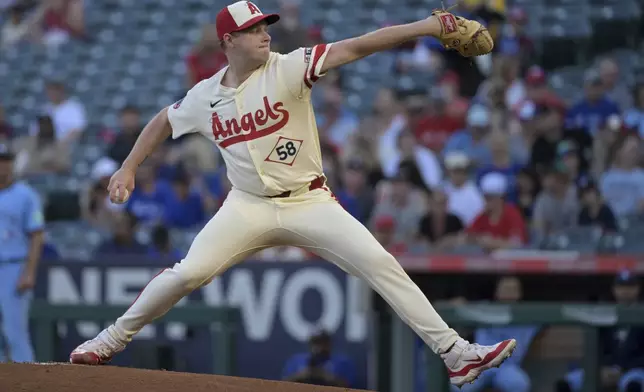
[331,232]
[238,230]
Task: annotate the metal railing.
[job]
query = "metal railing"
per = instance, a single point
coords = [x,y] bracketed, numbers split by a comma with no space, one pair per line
[224,323]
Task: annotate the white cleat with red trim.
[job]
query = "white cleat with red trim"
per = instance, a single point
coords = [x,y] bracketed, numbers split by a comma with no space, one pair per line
[97,351]
[466,361]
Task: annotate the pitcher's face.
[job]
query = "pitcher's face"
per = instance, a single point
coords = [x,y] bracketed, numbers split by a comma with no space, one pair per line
[254,42]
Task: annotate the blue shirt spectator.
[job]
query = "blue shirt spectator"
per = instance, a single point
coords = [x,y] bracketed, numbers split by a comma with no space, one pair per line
[148,200]
[623,184]
[337,364]
[634,117]
[472,141]
[320,366]
[161,246]
[183,208]
[594,109]
[623,190]
[355,196]
[124,240]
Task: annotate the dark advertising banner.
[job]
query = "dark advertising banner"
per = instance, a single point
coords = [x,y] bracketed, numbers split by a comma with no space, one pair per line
[280,304]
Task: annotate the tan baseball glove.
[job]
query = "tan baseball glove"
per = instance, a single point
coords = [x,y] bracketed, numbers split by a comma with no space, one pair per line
[469,37]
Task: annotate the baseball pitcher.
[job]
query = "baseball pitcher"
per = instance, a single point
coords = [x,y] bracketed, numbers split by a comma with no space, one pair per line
[258,112]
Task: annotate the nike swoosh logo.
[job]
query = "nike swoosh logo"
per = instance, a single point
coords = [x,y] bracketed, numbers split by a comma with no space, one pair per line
[477,359]
[212,105]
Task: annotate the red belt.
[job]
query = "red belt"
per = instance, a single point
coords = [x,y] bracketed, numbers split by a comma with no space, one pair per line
[315,184]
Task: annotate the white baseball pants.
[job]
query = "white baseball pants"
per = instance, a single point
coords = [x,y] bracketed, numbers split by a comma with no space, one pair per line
[314,221]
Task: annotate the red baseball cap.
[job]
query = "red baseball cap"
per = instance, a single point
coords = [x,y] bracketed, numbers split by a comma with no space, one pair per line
[535,76]
[239,16]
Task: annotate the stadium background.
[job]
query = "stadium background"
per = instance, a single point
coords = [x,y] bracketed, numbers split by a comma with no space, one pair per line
[557,110]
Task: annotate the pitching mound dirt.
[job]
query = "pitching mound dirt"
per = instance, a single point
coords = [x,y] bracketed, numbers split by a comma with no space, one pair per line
[73,378]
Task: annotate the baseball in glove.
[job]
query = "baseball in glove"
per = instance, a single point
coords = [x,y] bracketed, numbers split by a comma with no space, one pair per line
[468,37]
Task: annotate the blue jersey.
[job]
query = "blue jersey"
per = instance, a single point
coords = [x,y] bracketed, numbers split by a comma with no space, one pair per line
[21,214]
[590,115]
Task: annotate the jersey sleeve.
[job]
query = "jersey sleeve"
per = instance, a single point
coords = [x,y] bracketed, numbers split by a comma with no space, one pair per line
[302,68]
[34,219]
[184,115]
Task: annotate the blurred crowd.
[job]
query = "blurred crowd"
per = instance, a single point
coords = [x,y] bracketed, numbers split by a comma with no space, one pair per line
[487,157]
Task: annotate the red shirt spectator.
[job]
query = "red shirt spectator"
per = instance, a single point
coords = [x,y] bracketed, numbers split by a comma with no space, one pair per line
[500,225]
[507,225]
[538,94]
[206,59]
[433,131]
[66,16]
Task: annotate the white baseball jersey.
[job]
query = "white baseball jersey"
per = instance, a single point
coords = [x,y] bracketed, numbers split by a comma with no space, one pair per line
[265,128]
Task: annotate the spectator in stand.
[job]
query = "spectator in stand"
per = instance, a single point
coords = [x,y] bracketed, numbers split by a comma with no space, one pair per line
[568,157]
[594,109]
[528,187]
[510,377]
[421,164]
[539,93]
[616,89]
[62,20]
[206,58]
[6,130]
[336,123]
[289,34]
[514,41]
[435,125]
[605,144]
[18,27]
[215,185]
[623,184]
[355,195]
[128,133]
[545,126]
[473,140]
[161,246]
[500,225]
[149,198]
[384,230]
[362,147]
[68,114]
[123,241]
[464,197]
[96,207]
[439,229]
[397,198]
[594,212]
[515,89]
[456,105]
[183,208]
[557,206]
[634,117]
[320,366]
[622,348]
[389,120]
[41,154]
[502,162]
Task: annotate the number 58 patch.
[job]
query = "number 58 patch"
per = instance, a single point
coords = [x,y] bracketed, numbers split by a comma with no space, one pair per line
[285,151]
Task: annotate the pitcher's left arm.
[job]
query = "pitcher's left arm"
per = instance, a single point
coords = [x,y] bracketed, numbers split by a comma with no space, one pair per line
[468,37]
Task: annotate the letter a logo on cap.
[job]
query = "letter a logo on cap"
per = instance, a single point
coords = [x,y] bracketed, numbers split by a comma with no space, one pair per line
[253,8]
